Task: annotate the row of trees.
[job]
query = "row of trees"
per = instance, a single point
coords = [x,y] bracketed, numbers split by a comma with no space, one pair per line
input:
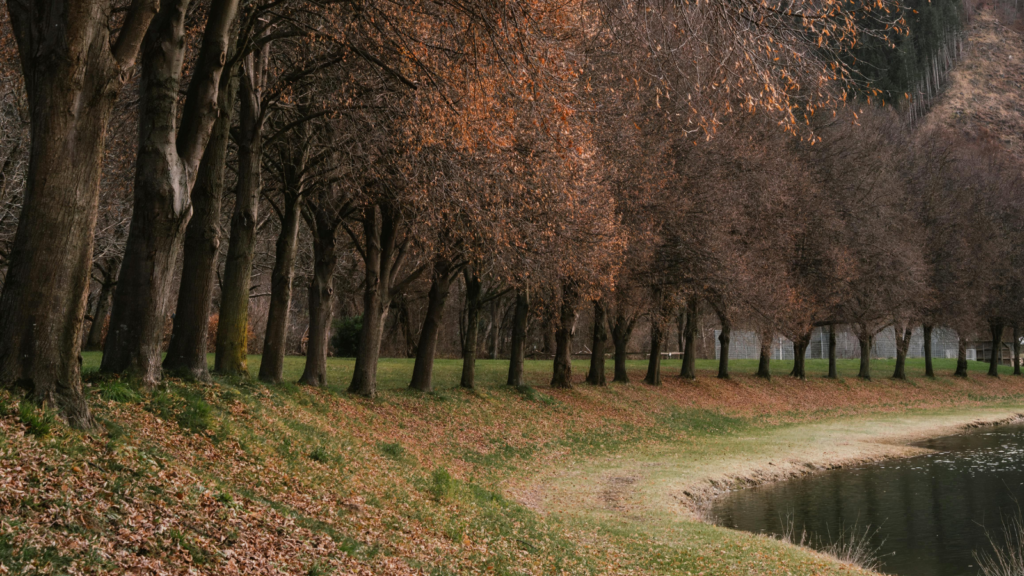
[603,151]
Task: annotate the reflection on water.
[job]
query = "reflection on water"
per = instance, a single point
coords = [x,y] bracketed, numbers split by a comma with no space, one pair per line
[931,511]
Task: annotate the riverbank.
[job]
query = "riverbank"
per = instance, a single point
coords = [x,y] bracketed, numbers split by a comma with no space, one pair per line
[681,478]
[236,477]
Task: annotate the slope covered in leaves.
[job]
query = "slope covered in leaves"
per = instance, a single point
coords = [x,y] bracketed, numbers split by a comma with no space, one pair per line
[235,477]
[984,96]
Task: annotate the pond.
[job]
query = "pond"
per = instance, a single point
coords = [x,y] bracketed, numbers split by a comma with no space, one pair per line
[927,515]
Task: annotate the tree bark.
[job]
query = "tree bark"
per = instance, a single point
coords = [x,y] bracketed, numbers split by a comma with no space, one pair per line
[562,374]
[276,339]
[423,369]
[517,357]
[997,345]
[496,320]
[73,73]
[689,369]
[681,329]
[321,292]
[548,330]
[382,256]
[961,357]
[929,371]
[233,324]
[621,333]
[723,338]
[473,289]
[94,341]
[765,359]
[902,347]
[189,344]
[596,374]
[1016,350]
[166,166]
[800,356]
[833,373]
[653,376]
[866,341]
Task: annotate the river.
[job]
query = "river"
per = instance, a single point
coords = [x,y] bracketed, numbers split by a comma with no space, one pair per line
[928,515]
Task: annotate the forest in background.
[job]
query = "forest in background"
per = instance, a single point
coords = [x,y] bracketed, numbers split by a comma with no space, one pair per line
[471,179]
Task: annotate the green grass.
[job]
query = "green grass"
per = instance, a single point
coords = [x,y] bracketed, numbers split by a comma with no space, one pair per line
[443,463]
[395,373]
[38,420]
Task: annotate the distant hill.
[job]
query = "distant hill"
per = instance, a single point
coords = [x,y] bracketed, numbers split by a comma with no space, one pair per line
[984,95]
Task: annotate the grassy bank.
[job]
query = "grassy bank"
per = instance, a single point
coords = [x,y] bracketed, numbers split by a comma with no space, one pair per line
[240,477]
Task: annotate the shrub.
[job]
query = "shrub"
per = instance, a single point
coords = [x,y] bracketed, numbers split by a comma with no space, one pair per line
[346,336]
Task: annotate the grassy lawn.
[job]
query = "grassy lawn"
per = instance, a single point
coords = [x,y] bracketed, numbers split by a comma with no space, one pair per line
[395,373]
[236,476]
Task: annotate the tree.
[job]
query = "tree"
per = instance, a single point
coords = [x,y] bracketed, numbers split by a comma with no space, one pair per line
[186,353]
[73,73]
[324,214]
[170,151]
[302,161]
[233,323]
[596,375]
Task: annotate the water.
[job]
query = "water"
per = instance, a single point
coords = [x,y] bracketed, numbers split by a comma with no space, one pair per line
[931,512]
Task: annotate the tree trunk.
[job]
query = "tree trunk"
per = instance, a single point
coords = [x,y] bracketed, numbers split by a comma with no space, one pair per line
[321,302]
[929,371]
[379,259]
[518,353]
[165,170]
[596,375]
[233,324]
[800,355]
[562,376]
[99,318]
[1016,350]
[833,373]
[689,369]
[621,333]
[866,340]
[276,339]
[653,376]
[473,288]
[73,72]
[496,319]
[681,329]
[902,347]
[765,359]
[189,344]
[961,357]
[423,369]
[997,345]
[723,338]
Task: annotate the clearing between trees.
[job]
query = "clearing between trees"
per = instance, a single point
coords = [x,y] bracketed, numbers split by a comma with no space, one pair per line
[239,477]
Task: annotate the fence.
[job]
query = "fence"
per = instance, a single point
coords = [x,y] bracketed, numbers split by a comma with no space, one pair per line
[746,345]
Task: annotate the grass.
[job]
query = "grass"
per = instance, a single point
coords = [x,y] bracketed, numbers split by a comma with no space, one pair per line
[395,373]
[37,420]
[1006,557]
[315,481]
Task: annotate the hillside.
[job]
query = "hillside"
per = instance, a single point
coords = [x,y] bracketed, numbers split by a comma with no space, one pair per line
[236,477]
[984,96]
